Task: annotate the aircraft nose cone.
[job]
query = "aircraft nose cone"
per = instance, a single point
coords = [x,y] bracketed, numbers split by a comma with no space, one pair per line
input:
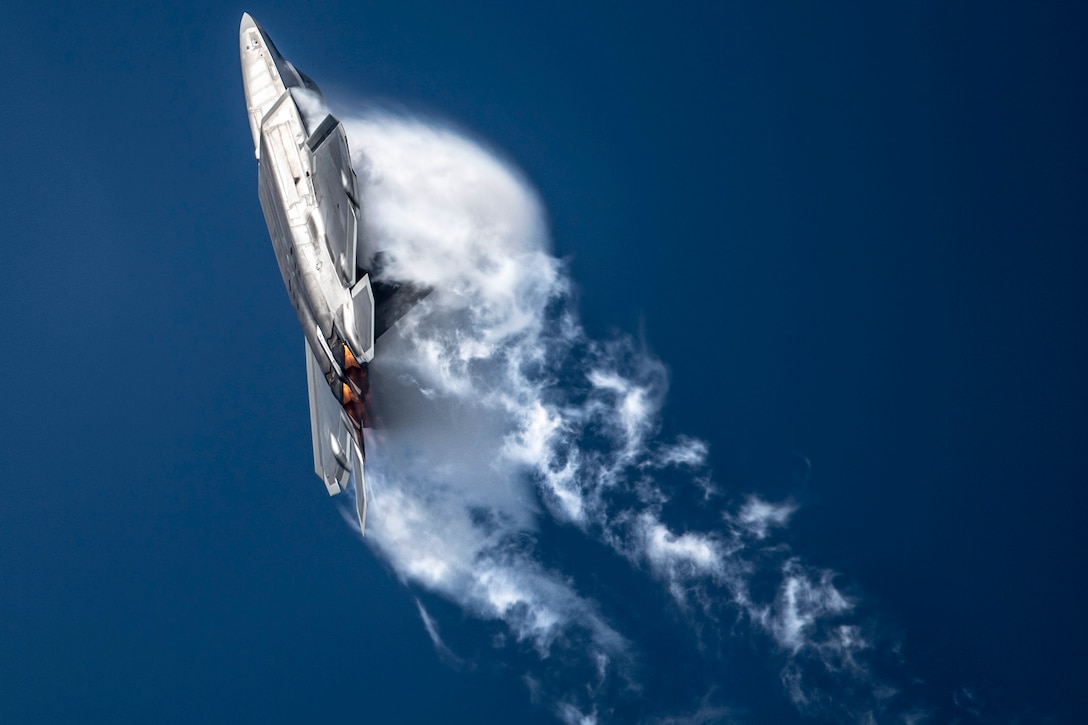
[247,25]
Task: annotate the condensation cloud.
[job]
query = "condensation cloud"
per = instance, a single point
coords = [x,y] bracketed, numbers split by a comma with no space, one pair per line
[499,415]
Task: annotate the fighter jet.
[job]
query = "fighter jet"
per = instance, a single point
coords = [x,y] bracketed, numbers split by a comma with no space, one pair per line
[310,197]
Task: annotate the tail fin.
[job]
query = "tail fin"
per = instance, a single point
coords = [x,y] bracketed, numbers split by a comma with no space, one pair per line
[392,300]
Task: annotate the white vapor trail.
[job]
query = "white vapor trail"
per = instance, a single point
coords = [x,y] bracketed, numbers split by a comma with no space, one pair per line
[500,418]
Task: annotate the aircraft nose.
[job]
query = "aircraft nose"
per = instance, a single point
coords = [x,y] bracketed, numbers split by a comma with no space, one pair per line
[248,24]
[260,75]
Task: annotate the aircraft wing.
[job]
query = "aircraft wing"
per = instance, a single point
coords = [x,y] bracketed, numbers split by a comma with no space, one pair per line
[337,453]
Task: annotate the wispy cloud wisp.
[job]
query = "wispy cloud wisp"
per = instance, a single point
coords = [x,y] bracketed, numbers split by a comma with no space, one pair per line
[500,416]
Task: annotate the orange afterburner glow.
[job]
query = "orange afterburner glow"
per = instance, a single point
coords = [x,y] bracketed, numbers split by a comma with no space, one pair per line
[349,359]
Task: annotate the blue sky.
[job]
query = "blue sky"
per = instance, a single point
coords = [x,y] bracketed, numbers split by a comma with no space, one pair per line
[851,239]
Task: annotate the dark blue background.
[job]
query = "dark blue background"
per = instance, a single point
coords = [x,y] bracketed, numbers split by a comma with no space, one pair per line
[856,235]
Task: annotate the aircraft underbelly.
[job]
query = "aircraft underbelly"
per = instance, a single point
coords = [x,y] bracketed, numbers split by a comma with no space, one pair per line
[294,252]
[311,201]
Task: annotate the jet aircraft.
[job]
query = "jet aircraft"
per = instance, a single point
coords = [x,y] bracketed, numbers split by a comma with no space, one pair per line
[311,202]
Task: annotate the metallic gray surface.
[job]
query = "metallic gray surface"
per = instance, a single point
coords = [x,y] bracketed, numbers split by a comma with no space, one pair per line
[310,197]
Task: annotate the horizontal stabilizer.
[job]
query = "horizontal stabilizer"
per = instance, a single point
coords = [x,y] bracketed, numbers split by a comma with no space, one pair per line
[332,441]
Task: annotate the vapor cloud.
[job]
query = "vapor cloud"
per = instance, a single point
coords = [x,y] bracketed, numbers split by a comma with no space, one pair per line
[501,418]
